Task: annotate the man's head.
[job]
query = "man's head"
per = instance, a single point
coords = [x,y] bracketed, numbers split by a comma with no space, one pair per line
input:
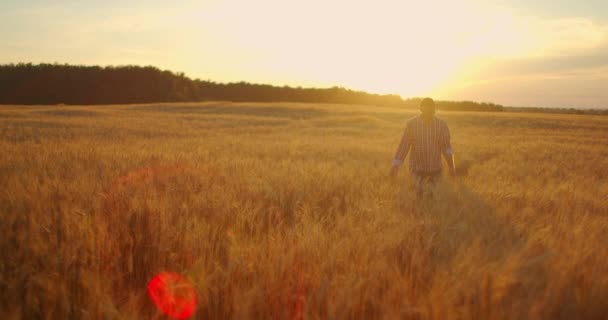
[427,107]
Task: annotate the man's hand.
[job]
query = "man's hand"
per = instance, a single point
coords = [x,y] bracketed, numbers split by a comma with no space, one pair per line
[451,165]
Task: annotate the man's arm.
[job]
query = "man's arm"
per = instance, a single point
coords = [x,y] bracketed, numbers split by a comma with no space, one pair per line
[446,149]
[402,150]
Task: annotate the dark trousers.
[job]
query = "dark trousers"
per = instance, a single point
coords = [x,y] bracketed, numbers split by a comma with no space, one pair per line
[424,181]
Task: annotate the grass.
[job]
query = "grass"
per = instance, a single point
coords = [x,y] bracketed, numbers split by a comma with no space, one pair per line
[285,211]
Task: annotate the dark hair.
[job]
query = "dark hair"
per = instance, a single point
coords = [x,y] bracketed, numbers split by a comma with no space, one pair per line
[427,102]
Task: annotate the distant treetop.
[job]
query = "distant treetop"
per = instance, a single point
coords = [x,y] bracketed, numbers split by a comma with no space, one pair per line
[27,83]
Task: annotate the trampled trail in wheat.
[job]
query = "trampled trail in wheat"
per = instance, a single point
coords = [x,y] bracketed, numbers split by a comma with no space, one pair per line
[286,211]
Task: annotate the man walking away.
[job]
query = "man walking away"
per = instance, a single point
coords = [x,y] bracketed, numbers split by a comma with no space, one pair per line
[426,138]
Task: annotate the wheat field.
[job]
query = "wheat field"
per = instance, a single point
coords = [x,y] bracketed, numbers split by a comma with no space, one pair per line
[286,211]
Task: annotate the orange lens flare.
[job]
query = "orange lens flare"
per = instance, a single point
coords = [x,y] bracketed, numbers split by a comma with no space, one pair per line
[173,294]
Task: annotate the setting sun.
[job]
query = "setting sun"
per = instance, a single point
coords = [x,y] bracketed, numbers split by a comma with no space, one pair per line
[411,48]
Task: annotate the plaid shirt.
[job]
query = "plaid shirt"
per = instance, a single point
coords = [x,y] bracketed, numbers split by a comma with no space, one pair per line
[427,142]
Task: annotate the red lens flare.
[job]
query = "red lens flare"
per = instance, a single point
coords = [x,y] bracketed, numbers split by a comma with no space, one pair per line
[173,294]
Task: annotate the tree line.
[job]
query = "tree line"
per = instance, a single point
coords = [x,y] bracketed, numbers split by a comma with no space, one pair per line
[27,83]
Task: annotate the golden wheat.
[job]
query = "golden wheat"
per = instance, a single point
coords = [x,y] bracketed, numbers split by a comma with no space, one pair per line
[285,211]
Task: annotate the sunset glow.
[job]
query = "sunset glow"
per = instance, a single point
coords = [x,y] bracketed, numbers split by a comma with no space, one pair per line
[445,49]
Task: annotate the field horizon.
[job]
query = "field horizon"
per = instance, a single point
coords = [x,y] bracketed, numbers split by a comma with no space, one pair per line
[286,211]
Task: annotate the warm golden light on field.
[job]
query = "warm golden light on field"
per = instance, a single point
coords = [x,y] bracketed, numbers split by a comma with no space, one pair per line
[312,159]
[285,211]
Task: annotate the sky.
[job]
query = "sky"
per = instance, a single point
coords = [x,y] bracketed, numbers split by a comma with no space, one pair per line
[516,53]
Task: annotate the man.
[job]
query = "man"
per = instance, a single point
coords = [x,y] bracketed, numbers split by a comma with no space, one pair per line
[426,138]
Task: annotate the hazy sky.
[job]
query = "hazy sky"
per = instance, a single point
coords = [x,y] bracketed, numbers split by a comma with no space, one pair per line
[550,53]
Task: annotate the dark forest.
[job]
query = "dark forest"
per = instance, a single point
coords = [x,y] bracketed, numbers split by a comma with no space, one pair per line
[31,84]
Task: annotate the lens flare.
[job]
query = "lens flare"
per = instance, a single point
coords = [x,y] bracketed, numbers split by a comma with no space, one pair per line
[173,294]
